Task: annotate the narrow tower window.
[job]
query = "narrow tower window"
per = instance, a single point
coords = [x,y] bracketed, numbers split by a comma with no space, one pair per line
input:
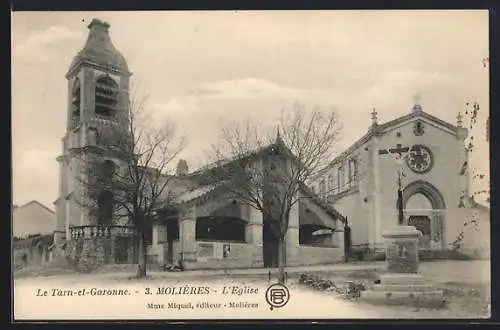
[106,200]
[75,103]
[106,97]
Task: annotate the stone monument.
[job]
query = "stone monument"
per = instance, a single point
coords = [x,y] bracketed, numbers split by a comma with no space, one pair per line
[402,284]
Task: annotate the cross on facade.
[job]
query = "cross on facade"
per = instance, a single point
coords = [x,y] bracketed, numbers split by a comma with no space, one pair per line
[399,149]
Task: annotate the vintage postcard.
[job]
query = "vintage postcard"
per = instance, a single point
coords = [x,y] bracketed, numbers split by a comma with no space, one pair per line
[250,165]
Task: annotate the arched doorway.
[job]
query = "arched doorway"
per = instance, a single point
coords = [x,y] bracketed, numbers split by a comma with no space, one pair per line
[424,208]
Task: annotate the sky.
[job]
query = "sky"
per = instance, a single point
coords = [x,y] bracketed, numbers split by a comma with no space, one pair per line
[206,69]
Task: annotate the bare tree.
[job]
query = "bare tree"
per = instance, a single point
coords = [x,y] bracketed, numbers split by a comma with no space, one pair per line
[267,172]
[127,174]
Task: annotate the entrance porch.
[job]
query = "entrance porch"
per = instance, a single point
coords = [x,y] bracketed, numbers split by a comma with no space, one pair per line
[211,230]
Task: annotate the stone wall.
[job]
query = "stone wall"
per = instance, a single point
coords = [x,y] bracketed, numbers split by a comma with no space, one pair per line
[89,253]
[31,256]
[34,251]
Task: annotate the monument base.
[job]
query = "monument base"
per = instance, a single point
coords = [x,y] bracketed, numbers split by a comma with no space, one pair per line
[402,249]
[404,289]
[403,285]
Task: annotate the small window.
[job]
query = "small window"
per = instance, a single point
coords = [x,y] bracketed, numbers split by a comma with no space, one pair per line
[75,103]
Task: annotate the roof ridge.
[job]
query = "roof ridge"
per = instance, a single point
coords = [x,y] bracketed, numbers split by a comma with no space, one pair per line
[373,130]
[36,202]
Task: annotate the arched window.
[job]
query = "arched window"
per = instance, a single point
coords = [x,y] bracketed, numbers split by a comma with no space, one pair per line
[106,97]
[340,178]
[352,172]
[331,185]
[106,172]
[108,168]
[322,189]
[75,103]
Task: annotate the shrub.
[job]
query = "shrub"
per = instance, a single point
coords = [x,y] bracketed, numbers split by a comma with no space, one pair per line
[354,290]
[351,291]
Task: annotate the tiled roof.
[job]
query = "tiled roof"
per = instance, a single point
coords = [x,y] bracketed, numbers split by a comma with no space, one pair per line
[204,193]
[321,203]
[195,194]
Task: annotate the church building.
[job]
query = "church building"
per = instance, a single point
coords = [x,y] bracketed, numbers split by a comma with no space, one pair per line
[351,202]
[431,158]
[203,227]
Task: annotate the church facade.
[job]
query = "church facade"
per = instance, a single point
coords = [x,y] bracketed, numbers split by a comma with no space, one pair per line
[203,227]
[431,157]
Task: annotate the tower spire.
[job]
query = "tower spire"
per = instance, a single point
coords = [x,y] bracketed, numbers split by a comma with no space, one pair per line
[100,51]
[278,135]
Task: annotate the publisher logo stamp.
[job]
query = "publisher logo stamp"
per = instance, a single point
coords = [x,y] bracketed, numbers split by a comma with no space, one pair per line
[277,295]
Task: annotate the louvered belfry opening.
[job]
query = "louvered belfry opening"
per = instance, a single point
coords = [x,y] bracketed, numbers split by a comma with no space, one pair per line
[106,97]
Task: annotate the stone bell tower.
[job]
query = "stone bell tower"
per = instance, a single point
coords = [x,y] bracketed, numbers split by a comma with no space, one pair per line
[98,96]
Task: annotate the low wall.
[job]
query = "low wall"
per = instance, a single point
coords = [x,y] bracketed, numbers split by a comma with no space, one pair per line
[316,255]
[30,256]
[32,251]
[210,255]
